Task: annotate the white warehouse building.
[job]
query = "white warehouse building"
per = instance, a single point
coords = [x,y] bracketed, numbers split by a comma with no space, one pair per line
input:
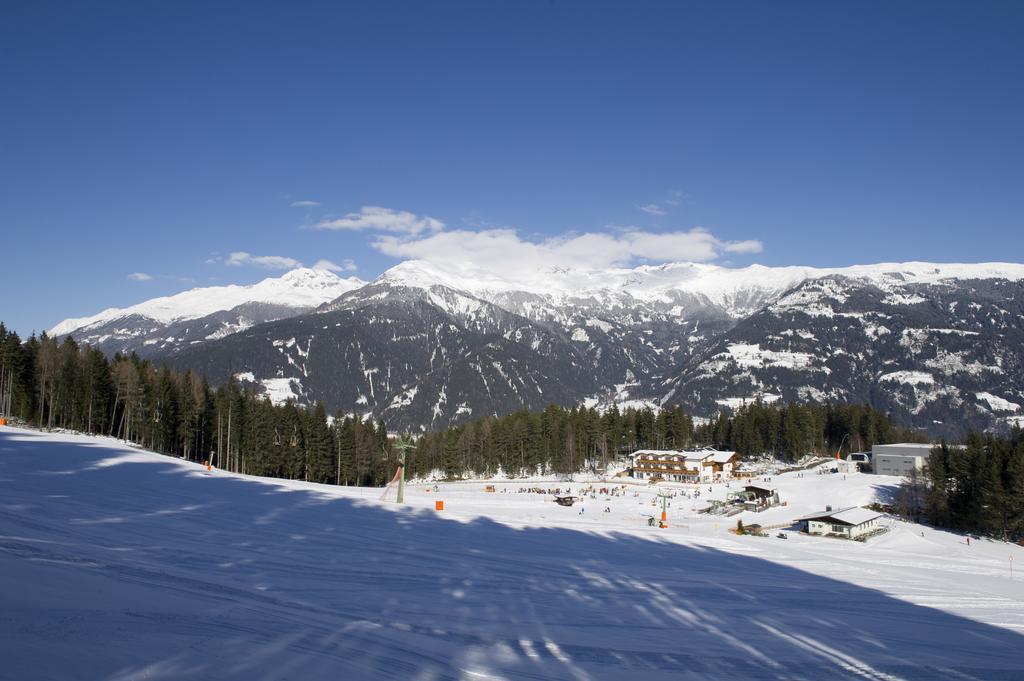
[900,459]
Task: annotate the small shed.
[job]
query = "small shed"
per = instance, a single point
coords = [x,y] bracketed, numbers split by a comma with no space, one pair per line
[756,497]
[761,491]
[849,523]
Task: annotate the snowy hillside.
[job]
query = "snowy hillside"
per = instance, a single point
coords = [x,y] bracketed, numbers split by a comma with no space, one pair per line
[205,313]
[119,564]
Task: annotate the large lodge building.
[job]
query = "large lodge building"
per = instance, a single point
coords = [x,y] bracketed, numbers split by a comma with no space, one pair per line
[703,465]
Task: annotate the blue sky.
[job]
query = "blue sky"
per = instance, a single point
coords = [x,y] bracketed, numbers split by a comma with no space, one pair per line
[160,138]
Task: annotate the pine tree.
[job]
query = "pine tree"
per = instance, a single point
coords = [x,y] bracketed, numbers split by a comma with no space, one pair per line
[319,446]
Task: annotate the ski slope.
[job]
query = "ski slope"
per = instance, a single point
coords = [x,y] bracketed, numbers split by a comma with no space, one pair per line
[118,564]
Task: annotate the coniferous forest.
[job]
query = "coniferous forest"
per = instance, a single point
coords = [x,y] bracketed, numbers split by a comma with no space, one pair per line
[977,487]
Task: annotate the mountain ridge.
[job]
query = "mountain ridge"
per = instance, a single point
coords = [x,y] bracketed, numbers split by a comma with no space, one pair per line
[654,280]
[301,287]
[427,345]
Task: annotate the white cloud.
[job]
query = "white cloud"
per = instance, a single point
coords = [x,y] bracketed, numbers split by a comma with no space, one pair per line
[653,209]
[747,246]
[140,276]
[346,265]
[280,262]
[270,262]
[384,220]
[305,204]
[504,250]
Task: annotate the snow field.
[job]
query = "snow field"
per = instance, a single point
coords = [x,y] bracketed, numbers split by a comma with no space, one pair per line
[120,564]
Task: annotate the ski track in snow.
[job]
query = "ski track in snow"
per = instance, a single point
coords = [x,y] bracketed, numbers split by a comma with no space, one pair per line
[118,564]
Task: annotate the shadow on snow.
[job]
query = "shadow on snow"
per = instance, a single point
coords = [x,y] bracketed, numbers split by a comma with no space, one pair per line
[151,569]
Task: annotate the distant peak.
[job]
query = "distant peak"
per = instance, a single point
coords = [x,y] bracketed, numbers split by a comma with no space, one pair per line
[302,288]
[308,274]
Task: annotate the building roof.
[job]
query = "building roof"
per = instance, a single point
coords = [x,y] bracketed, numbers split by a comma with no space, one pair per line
[763,488]
[699,459]
[656,452]
[855,515]
[692,455]
[889,456]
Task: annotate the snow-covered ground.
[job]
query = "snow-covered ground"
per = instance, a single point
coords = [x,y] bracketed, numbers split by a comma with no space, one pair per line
[118,564]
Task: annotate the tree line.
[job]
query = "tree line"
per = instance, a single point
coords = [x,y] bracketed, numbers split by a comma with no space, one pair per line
[65,385]
[562,440]
[789,431]
[55,384]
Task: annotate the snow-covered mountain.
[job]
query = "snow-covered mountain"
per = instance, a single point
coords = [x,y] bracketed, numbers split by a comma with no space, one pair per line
[736,292]
[944,355]
[168,323]
[427,344]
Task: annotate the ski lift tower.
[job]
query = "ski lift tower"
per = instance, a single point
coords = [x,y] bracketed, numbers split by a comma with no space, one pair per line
[664,509]
[402,444]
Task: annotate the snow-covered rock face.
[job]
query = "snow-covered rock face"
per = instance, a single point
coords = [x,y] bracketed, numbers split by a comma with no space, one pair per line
[167,323]
[426,345]
[946,354]
[737,292]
